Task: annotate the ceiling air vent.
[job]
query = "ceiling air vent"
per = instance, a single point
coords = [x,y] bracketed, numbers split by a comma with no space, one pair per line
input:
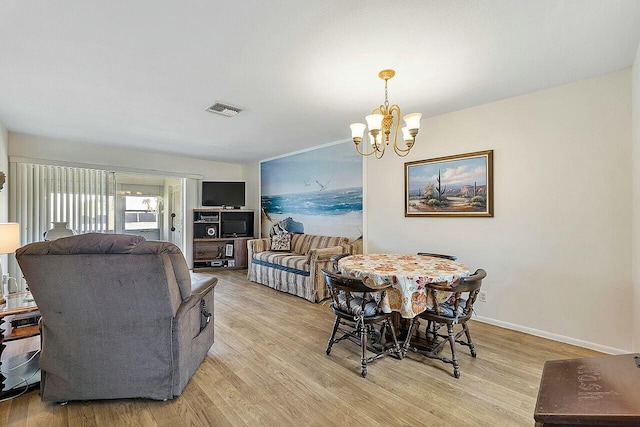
[224,109]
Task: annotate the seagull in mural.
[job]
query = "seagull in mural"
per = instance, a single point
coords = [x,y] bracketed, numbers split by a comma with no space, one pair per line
[306,184]
[323,187]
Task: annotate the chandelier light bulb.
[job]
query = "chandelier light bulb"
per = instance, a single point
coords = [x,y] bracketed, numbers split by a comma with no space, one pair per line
[376,141]
[406,135]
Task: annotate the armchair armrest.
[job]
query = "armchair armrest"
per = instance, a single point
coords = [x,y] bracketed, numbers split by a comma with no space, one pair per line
[355,247]
[195,307]
[325,254]
[318,259]
[257,245]
[201,284]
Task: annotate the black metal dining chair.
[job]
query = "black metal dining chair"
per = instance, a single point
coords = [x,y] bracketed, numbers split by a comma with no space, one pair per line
[456,310]
[358,311]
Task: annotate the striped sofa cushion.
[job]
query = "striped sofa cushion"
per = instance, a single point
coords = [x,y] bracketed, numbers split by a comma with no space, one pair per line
[283,261]
[301,244]
[298,242]
[314,242]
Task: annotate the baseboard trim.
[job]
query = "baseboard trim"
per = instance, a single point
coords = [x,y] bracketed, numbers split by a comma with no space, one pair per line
[551,336]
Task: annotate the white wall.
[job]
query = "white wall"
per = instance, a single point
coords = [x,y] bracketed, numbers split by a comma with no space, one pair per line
[4,193]
[4,167]
[36,147]
[635,95]
[557,252]
[251,175]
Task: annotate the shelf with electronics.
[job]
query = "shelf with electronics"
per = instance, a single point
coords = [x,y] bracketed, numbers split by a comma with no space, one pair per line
[220,237]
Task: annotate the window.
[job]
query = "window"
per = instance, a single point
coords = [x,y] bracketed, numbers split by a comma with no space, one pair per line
[92,200]
[141,212]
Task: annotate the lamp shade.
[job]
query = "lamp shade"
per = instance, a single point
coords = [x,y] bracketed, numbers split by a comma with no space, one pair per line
[413,120]
[357,130]
[374,121]
[9,237]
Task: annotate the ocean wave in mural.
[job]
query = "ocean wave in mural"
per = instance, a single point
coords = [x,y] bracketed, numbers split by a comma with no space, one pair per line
[319,190]
[336,202]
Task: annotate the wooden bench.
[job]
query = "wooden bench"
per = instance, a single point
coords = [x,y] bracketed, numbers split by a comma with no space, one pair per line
[594,391]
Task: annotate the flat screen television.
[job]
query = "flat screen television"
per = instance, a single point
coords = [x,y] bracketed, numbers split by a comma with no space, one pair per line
[223,193]
[235,228]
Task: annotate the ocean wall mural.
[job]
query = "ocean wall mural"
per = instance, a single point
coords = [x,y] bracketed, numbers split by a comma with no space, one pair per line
[315,192]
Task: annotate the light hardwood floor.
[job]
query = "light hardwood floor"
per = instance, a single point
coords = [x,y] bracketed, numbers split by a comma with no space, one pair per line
[268,368]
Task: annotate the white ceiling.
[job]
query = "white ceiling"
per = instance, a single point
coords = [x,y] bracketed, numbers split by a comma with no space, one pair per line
[140,73]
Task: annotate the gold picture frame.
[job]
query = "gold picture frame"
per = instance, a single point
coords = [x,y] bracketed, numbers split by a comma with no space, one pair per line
[454,186]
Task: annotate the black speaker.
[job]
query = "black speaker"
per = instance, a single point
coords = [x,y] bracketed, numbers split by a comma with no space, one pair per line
[212,231]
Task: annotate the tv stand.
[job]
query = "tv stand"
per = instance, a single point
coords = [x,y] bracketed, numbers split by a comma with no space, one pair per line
[213,247]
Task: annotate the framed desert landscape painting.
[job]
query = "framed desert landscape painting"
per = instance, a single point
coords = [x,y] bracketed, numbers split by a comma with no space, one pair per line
[456,186]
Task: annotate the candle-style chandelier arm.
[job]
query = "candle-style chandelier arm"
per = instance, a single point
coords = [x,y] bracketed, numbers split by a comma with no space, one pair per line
[376,149]
[373,151]
[402,152]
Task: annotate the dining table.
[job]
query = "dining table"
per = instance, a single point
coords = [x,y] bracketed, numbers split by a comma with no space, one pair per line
[408,276]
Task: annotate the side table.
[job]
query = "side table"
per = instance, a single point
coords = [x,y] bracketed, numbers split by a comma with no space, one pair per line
[20,372]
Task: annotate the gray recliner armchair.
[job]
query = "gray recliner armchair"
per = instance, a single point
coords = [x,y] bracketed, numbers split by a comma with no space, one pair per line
[122,317]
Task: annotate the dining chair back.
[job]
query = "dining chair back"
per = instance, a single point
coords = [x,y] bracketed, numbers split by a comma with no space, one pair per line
[455,310]
[449,257]
[334,260]
[358,311]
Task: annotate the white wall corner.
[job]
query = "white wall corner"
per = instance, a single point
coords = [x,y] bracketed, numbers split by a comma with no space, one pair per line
[4,193]
[635,250]
[251,175]
[4,167]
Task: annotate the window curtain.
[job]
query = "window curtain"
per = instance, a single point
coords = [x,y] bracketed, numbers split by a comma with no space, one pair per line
[43,194]
[83,198]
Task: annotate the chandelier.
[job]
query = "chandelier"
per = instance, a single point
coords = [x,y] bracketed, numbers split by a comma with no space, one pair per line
[381,122]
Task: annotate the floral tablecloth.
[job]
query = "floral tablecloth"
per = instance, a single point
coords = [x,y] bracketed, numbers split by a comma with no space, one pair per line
[407,274]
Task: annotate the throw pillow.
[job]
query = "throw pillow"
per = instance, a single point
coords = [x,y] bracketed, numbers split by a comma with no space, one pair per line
[281,242]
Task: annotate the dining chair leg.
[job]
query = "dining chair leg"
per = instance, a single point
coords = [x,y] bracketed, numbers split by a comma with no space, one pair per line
[413,324]
[383,330]
[470,343]
[336,323]
[396,346]
[363,343]
[454,357]
[432,328]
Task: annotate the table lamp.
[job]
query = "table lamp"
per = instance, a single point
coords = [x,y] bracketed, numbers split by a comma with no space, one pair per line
[9,242]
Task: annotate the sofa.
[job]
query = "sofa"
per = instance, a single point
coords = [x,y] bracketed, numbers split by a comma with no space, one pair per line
[298,270]
[122,317]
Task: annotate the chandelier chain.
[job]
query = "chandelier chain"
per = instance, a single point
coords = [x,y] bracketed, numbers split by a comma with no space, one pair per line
[386,94]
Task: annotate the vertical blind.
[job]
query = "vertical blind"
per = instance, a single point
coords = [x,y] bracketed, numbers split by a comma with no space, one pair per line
[83,198]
